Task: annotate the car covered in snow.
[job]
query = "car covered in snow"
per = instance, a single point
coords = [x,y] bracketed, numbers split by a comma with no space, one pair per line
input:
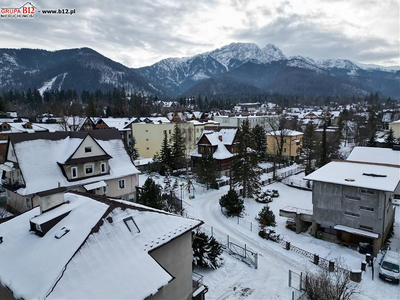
[389,266]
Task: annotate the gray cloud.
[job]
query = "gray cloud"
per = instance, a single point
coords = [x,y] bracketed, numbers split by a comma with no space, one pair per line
[142,32]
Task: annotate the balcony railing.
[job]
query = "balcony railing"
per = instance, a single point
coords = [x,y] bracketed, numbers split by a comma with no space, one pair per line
[199,289]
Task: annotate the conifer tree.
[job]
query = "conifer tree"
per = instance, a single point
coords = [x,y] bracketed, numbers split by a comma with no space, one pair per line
[232,203]
[261,142]
[91,110]
[165,156]
[323,160]
[246,171]
[372,139]
[150,195]
[132,150]
[266,217]
[206,251]
[309,147]
[206,169]
[390,140]
[178,149]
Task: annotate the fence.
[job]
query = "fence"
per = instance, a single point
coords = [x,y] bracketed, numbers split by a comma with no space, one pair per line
[232,246]
[283,175]
[307,185]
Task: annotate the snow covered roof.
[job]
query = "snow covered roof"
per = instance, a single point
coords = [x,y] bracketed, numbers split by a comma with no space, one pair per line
[45,174]
[118,123]
[286,132]
[357,231]
[98,258]
[368,176]
[395,122]
[375,155]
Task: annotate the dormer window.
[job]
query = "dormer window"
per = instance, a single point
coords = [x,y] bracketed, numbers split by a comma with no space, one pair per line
[74,172]
[88,149]
[89,169]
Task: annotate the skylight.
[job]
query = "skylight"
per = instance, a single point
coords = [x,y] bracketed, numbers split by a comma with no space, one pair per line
[131,225]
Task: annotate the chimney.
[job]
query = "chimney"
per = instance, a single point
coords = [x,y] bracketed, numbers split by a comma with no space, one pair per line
[220,137]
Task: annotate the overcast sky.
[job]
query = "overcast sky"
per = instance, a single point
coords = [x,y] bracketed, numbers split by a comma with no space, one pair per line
[139,33]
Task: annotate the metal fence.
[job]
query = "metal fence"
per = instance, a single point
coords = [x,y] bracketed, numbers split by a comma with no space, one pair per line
[232,246]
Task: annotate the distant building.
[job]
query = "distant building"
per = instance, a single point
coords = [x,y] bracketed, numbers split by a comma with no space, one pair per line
[290,141]
[40,166]
[92,247]
[235,121]
[247,107]
[149,133]
[395,126]
[353,200]
[222,144]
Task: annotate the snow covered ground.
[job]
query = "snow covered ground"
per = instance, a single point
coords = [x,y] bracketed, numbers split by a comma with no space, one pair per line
[236,280]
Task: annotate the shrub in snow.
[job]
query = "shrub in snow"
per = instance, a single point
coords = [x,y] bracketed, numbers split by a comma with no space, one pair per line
[266,217]
[232,203]
[206,251]
[325,285]
[269,234]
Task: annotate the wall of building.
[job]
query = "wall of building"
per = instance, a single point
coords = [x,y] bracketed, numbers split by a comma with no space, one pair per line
[332,204]
[149,137]
[176,258]
[81,169]
[88,142]
[290,146]
[396,129]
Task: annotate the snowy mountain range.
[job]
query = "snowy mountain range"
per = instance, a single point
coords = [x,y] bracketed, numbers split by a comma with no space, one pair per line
[238,68]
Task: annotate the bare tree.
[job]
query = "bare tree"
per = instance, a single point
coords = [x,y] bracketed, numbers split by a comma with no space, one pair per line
[278,135]
[325,285]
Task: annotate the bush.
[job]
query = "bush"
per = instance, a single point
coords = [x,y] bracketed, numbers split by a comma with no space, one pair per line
[269,234]
[232,203]
[331,286]
[263,198]
[206,251]
[266,217]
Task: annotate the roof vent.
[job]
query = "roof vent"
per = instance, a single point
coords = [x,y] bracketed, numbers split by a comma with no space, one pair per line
[350,179]
[373,175]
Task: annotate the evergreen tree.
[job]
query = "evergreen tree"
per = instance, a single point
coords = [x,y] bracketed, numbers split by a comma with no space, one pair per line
[91,110]
[261,142]
[372,139]
[150,195]
[206,251]
[206,169]
[266,217]
[245,165]
[309,147]
[390,140]
[165,156]
[178,149]
[323,160]
[232,203]
[132,150]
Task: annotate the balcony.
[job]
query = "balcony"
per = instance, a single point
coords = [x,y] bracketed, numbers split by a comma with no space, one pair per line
[199,289]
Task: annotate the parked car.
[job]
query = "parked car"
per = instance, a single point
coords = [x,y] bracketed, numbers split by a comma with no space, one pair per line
[389,266]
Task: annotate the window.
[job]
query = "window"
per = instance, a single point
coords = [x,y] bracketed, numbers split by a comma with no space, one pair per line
[351,214]
[284,150]
[103,167]
[352,197]
[169,131]
[121,183]
[147,130]
[366,227]
[366,191]
[74,172]
[147,148]
[147,140]
[28,202]
[197,130]
[88,169]
[104,190]
[88,149]
[367,208]
[165,132]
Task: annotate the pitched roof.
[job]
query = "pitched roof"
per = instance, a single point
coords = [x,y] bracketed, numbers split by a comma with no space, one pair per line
[99,258]
[56,147]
